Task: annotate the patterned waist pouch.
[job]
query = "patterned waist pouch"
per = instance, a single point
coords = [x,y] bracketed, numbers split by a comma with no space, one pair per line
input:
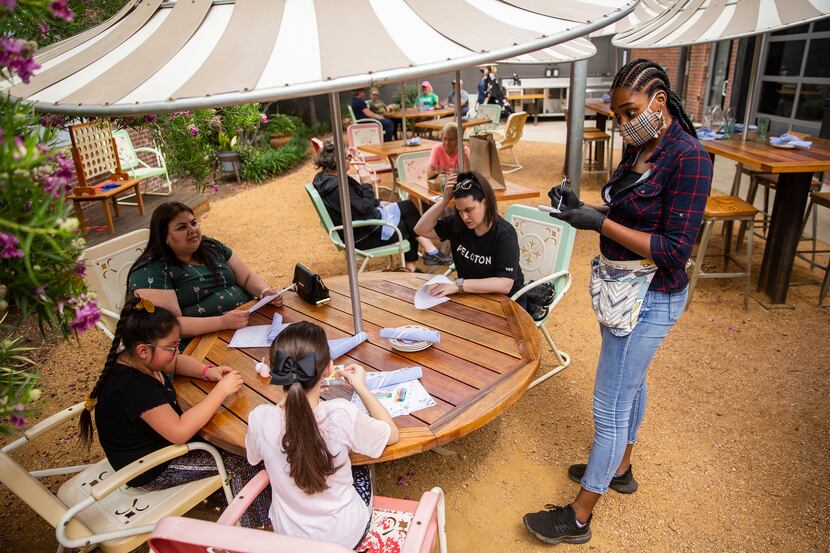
[617,291]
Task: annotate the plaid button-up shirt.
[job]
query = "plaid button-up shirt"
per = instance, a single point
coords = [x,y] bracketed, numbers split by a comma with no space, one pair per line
[668,204]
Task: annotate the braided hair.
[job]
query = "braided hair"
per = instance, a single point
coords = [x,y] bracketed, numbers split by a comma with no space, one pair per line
[649,77]
[136,326]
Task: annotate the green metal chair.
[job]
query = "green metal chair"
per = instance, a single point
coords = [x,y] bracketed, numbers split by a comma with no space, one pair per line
[136,168]
[412,167]
[545,247]
[491,112]
[362,119]
[399,248]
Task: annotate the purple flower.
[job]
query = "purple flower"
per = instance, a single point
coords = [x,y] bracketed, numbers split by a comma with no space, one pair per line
[7,6]
[263,118]
[194,130]
[43,26]
[43,148]
[18,421]
[16,54]
[214,187]
[40,292]
[65,168]
[10,246]
[59,9]
[150,117]
[22,151]
[80,268]
[86,314]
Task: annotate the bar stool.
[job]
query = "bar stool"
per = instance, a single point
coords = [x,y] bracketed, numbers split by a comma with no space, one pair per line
[728,209]
[817,199]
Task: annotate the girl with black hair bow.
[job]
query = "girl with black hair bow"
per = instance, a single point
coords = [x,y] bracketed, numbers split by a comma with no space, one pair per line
[305,442]
[653,208]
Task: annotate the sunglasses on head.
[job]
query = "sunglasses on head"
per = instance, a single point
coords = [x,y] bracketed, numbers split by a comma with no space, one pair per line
[466,184]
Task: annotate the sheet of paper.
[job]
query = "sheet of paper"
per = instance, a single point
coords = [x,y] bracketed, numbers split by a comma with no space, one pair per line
[251,337]
[400,399]
[423,300]
[269,299]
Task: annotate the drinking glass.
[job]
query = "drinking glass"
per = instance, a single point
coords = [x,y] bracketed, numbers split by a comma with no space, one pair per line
[763,127]
[707,118]
[717,118]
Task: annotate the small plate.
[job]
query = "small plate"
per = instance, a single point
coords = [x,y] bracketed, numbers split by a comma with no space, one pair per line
[783,146]
[409,345]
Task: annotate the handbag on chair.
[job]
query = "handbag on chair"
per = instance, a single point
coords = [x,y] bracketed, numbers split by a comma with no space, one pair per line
[310,286]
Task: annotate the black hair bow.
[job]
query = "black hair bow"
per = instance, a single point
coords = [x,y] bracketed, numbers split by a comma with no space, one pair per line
[287,370]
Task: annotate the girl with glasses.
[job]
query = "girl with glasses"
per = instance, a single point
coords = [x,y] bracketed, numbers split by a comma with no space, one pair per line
[135,406]
[485,247]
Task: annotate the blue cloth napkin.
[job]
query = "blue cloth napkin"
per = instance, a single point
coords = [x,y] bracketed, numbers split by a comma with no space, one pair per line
[606,97]
[342,346]
[789,140]
[414,334]
[276,328]
[739,127]
[390,213]
[708,134]
[384,379]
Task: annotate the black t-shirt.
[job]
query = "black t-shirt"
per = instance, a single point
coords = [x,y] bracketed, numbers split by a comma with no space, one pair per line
[125,394]
[494,254]
[358,106]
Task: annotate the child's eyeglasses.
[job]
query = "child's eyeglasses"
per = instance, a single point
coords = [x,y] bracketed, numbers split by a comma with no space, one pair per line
[174,348]
[466,184]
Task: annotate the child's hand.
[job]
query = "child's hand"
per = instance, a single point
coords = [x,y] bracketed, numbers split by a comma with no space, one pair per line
[230,383]
[215,374]
[355,375]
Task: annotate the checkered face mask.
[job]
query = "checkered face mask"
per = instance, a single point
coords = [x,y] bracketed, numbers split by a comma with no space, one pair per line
[643,128]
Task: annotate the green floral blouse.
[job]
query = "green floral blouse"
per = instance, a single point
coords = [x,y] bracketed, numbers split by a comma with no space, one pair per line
[201,293]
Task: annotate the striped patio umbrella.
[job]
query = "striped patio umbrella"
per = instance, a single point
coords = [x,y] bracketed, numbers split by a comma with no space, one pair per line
[176,55]
[645,11]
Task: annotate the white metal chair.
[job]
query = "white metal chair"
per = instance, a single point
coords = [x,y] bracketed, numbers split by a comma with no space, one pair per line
[136,168]
[95,507]
[545,247]
[491,112]
[107,266]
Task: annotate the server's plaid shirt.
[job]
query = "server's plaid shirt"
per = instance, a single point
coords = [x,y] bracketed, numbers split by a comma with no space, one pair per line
[668,204]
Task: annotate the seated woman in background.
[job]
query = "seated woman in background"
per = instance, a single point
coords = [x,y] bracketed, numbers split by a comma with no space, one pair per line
[375,103]
[444,156]
[427,99]
[365,205]
[485,247]
[196,278]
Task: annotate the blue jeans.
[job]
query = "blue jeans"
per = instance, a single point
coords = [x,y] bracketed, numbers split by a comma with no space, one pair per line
[388,129]
[620,386]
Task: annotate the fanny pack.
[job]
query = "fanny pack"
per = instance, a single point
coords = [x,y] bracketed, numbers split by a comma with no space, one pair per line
[617,291]
[310,286]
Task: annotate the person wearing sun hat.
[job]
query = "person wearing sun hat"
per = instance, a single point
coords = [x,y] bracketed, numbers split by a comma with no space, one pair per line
[427,99]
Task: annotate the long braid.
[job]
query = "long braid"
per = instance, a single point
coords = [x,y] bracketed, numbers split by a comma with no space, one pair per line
[647,76]
[85,422]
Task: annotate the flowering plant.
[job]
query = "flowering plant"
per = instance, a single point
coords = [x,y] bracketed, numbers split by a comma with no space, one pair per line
[41,265]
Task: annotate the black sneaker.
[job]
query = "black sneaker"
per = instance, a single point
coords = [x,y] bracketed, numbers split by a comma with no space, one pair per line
[437,259]
[621,484]
[557,524]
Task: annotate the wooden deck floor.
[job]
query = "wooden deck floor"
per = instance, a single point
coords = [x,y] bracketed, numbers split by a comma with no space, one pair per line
[130,220]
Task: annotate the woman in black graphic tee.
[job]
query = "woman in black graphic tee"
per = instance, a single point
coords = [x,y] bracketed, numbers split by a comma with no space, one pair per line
[485,247]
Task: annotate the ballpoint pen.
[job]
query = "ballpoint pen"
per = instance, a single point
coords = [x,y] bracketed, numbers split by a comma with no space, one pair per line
[561,186]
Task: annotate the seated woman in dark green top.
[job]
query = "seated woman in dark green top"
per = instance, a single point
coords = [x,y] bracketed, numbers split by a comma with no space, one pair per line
[199,279]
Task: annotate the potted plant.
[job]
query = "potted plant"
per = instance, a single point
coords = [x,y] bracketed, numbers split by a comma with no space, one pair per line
[281,128]
[227,157]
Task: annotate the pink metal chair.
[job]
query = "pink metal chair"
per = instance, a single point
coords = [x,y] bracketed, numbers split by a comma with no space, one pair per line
[370,132]
[397,525]
[316,145]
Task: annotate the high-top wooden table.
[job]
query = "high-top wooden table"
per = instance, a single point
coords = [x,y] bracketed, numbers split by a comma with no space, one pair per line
[796,168]
[489,353]
[393,148]
[513,191]
[604,113]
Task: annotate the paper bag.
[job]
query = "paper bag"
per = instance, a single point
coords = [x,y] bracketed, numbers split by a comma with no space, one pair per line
[484,159]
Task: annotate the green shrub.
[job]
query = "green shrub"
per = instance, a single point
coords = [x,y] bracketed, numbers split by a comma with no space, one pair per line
[412,92]
[258,165]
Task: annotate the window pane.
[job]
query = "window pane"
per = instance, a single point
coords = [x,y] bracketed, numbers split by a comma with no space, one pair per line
[801,29]
[777,98]
[784,58]
[821,26]
[817,65]
[812,101]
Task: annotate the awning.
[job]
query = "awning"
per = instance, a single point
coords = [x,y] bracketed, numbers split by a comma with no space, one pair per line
[698,21]
[573,50]
[156,56]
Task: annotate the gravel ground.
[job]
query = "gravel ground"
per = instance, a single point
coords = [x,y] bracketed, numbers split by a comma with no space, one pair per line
[732,455]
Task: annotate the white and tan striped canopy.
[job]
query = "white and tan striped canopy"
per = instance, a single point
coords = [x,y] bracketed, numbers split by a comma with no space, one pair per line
[156,56]
[645,11]
[573,50]
[699,21]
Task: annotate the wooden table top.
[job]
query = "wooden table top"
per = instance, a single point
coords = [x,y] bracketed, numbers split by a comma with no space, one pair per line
[413,113]
[600,106]
[489,353]
[395,148]
[761,155]
[538,96]
[124,185]
[513,191]
[438,124]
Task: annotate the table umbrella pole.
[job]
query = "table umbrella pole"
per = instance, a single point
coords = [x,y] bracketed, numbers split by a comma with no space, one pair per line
[345,209]
[753,75]
[458,121]
[403,110]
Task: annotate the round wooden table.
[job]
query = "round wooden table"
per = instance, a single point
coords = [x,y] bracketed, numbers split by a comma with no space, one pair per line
[488,354]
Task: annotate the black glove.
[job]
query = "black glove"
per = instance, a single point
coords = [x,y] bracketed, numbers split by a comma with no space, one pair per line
[563,198]
[582,218]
